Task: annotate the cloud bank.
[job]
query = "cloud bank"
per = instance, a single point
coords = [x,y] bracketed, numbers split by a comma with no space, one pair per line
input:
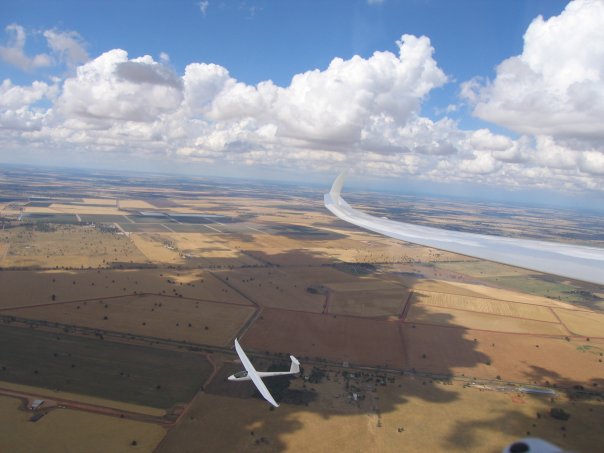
[360,112]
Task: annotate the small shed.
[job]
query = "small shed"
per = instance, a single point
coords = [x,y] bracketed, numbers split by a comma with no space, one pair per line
[36,404]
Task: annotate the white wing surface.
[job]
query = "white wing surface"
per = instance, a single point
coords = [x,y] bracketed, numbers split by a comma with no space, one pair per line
[253,374]
[567,260]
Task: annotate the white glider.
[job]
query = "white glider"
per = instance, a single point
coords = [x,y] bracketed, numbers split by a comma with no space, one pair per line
[567,260]
[250,373]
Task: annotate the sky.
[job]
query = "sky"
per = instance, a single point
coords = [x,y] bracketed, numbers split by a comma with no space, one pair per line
[465,97]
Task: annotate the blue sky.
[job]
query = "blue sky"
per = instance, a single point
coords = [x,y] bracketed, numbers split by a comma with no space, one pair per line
[458,119]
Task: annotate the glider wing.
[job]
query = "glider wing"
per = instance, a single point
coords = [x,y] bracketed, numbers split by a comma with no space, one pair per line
[567,260]
[253,374]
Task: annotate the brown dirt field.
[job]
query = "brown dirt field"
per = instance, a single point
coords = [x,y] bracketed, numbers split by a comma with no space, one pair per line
[156,316]
[365,284]
[25,288]
[284,256]
[68,246]
[445,351]
[434,417]
[369,303]
[555,360]
[336,338]
[487,306]
[318,275]
[64,430]
[583,322]
[482,321]
[282,288]
[513,357]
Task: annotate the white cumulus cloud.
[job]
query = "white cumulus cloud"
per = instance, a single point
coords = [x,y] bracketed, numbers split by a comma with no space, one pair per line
[14,52]
[364,113]
[67,45]
[112,87]
[556,86]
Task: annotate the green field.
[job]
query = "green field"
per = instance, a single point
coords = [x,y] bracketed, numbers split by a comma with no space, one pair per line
[121,372]
[102,218]
[554,290]
[49,218]
[187,228]
[481,269]
[143,227]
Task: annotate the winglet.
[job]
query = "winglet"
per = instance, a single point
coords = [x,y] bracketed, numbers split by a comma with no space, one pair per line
[336,188]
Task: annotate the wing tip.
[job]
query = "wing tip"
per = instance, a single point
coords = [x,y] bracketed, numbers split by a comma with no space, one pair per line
[337,185]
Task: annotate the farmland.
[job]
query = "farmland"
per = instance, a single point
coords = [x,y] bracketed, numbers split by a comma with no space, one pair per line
[127,298]
[135,374]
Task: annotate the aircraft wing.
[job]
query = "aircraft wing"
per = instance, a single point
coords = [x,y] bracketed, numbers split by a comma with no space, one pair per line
[567,260]
[253,374]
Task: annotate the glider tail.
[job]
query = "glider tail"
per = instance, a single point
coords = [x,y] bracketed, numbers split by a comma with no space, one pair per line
[295,367]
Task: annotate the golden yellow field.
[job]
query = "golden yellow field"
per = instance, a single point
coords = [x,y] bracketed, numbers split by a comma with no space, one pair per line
[446,287]
[68,246]
[155,248]
[134,204]
[64,430]
[428,415]
[585,323]
[481,321]
[74,209]
[99,201]
[487,306]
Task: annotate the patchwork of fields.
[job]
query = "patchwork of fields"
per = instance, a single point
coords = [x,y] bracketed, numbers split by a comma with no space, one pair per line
[127,302]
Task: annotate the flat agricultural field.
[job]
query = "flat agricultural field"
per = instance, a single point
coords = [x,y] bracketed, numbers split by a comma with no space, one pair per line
[585,323]
[32,288]
[66,246]
[490,354]
[64,430]
[481,269]
[336,338]
[280,288]
[215,249]
[477,289]
[117,371]
[77,209]
[368,298]
[55,394]
[155,248]
[551,287]
[172,318]
[487,306]
[427,314]
[418,413]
